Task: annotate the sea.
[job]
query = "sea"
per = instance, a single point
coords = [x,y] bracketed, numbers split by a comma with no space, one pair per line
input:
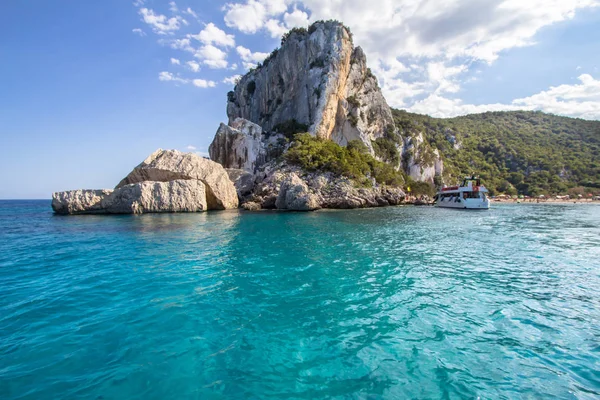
[389,303]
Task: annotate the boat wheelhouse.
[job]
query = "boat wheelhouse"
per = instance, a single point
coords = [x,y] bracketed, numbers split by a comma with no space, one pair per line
[471,194]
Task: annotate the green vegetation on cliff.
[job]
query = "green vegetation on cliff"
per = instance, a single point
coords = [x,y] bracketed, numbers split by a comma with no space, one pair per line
[514,152]
[352,161]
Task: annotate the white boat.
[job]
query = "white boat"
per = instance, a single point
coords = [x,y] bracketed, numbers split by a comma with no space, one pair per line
[471,194]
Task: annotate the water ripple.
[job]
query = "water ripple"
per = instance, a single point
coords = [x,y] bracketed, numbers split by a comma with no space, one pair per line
[392,303]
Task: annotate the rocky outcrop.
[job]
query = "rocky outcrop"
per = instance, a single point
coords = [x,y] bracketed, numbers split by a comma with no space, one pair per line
[243,181]
[238,146]
[424,163]
[136,198]
[168,165]
[288,187]
[82,201]
[294,195]
[316,79]
[167,181]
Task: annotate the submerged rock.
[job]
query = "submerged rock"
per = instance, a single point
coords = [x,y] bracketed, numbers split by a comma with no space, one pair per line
[168,165]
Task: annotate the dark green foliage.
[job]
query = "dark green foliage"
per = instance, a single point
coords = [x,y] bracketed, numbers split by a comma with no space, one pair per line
[317,92]
[353,119]
[420,188]
[526,152]
[270,57]
[298,31]
[318,63]
[386,150]
[353,161]
[353,101]
[231,96]
[290,128]
[251,87]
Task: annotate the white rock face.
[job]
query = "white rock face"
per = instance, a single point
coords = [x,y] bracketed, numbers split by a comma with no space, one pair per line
[80,201]
[136,198]
[295,195]
[157,197]
[169,165]
[238,146]
[424,163]
[317,79]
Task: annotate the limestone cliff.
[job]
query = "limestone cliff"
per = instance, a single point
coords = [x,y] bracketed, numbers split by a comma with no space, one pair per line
[317,79]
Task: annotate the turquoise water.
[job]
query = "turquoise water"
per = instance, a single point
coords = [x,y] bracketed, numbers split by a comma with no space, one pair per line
[395,303]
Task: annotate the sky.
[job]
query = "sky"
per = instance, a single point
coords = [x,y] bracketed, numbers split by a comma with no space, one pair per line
[88,89]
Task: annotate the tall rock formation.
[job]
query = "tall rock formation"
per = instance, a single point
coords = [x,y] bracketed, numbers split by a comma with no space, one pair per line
[317,79]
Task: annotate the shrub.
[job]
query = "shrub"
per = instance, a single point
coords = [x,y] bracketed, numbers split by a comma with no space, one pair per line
[386,150]
[318,63]
[251,87]
[353,101]
[299,31]
[353,161]
[231,96]
[290,127]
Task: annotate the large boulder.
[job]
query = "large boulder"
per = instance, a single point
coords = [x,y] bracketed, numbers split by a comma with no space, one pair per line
[135,198]
[238,146]
[82,201]
[169,165]
[295,195]
[157,197]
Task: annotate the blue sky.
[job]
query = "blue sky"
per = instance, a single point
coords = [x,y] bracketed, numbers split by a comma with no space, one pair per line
[90,88]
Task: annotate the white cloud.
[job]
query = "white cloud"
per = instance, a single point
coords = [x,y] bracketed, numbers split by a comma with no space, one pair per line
[160,24]
[275,28]
[190,147]
[193,65]
[203,83]
[191,12]
[212,56]
[232,80]
[211,34]
[175,61]
[138,31]
[173,7]
[443,38]
[169,77]
[249,56]
[139,3]
[181,44]
[578,100]
[251,16]
[295,18]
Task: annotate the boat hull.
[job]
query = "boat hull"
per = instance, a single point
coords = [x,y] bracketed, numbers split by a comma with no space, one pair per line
[464,204]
